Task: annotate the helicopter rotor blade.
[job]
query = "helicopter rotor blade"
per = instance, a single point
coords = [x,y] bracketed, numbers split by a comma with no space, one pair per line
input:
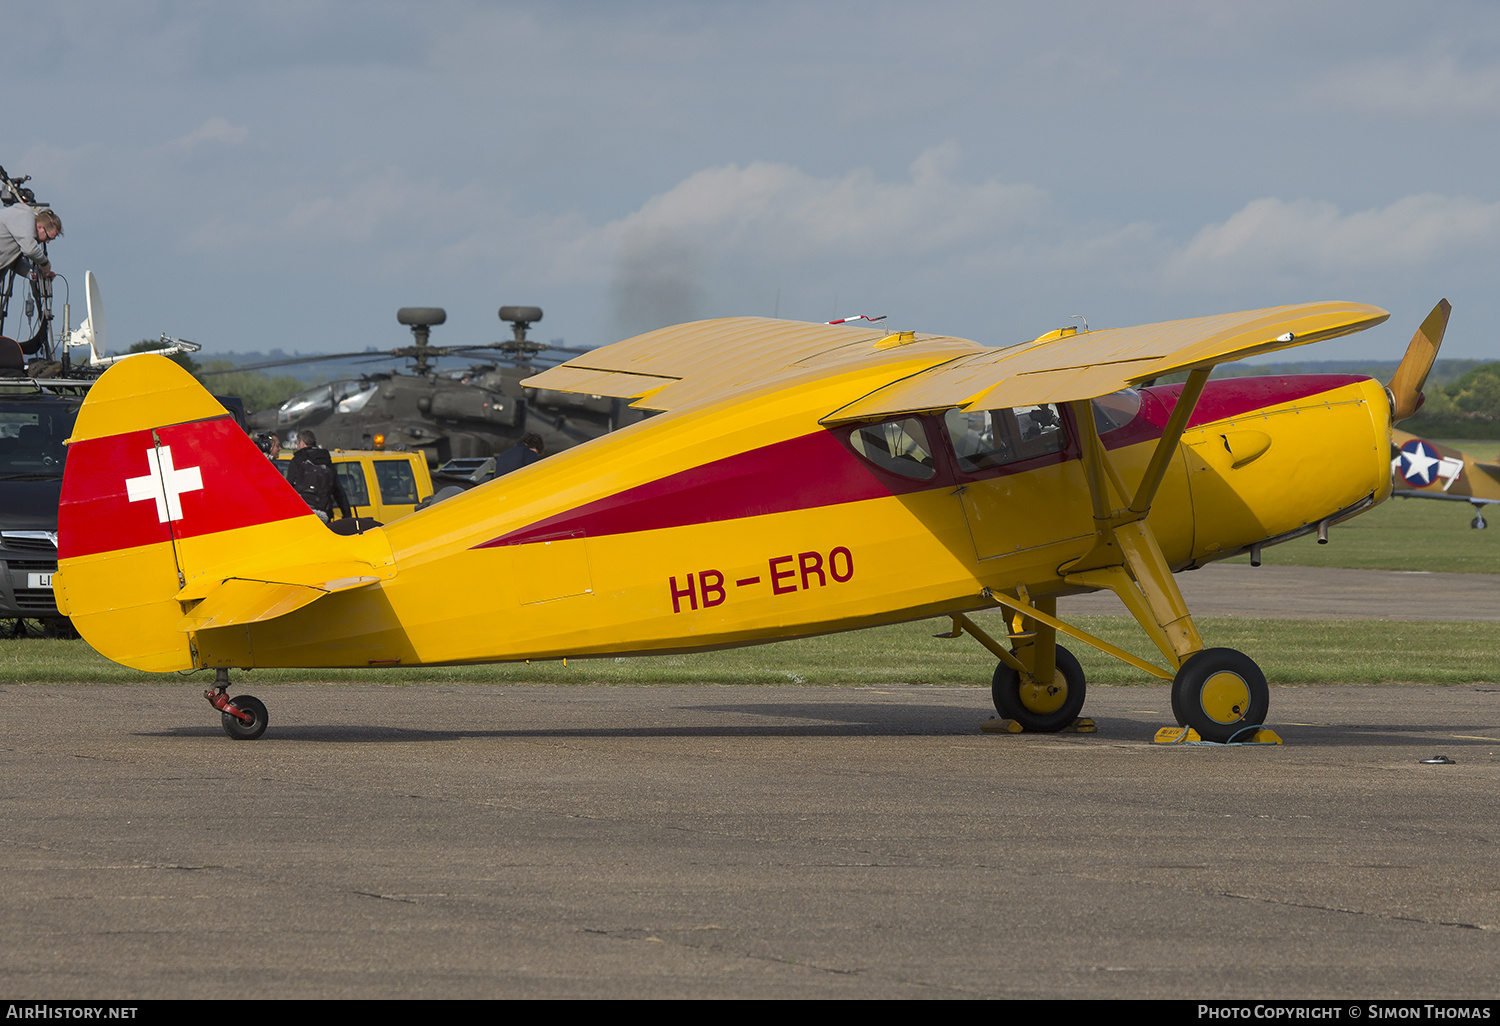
[403,353]
[292,361]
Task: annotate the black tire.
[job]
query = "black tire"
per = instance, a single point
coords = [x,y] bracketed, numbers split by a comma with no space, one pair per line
[240,730]
[1011,700]
[1219,693]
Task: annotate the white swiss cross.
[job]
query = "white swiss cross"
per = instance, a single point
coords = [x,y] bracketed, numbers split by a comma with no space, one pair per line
[164,483]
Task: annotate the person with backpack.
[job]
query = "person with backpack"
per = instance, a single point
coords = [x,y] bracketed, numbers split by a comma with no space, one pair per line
[311,473]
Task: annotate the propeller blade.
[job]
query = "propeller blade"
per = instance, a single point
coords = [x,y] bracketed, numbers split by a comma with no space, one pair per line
[1406,385]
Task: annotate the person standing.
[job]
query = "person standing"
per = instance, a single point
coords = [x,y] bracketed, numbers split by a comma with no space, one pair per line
[312,474]
[523,454]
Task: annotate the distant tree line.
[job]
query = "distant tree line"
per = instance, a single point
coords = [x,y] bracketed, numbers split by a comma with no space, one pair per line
[256,389]
[1468,407]
[1463,396]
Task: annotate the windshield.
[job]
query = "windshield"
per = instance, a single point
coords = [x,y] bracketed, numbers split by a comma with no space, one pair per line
[1116,409]
[897,446]
[31,437]
[350,394]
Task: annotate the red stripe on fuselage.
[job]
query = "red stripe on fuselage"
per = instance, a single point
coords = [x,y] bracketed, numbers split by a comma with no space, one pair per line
[798,473]
[238,487]
[819,470]
[1228,398]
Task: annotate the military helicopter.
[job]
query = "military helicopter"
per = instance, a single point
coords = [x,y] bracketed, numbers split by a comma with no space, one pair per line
[472,413]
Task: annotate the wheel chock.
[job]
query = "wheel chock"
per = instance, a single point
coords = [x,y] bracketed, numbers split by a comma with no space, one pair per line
[996,725]
[1189,736]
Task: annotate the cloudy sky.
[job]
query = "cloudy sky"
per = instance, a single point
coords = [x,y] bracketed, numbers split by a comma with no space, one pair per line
[287,174]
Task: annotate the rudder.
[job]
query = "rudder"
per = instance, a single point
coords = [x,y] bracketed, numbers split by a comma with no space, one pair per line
[163,498]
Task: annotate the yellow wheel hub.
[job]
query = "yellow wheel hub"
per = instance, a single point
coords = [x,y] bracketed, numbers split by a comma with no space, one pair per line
[1042,698]
[1225,697]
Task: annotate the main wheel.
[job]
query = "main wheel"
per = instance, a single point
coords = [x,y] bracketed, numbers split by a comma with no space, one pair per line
[238,728]
[1043,708]
[1219,692]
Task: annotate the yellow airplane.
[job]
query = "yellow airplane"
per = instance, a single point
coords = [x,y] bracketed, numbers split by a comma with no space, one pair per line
[1427,470]
[798,479]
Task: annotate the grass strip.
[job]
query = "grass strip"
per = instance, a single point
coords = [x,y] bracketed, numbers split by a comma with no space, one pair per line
[1400,534]
[1289,651]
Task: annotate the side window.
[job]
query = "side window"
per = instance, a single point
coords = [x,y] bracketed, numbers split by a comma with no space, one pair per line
[398,485]
[898,446]
[992,438]
[1116,409]
[352,480]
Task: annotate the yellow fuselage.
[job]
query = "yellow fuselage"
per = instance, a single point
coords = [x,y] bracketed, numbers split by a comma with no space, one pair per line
[743,520]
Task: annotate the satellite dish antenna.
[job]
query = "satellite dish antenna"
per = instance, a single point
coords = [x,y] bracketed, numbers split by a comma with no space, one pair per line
[91,332]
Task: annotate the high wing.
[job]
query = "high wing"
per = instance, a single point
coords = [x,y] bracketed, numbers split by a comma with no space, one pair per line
[1094,363]
[675,366]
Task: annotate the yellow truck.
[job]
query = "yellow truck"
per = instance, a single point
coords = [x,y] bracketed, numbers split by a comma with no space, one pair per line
[382,484]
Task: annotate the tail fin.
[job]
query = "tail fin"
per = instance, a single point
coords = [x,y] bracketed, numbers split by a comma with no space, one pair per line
[164,500]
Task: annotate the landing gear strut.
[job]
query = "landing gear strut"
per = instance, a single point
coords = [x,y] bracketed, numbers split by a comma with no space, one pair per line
[245,717]
[1037,707]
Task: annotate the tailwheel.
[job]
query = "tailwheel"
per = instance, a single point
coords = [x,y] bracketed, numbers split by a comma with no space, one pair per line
[242,730]
[1043,708]
[1219,693]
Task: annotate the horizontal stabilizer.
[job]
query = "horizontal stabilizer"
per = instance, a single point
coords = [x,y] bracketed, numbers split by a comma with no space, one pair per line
[237,601]
[339,575]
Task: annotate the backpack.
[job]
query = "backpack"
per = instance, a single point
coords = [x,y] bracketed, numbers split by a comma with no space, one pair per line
[314,482]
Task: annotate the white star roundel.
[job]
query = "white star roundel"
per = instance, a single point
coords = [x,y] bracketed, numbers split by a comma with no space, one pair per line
[1419,463]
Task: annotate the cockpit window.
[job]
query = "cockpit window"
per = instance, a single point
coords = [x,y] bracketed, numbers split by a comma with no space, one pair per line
[304,403]
[356,402]
[323,398]
[1116,409]
[992,438]
[898,446]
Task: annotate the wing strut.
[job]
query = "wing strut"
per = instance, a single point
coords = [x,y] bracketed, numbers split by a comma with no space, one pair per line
[1125,557]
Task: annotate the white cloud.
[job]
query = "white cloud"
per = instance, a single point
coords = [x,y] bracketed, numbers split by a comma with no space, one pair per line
[214,130]
[725,231]
[1272,237]
[761,236]
[1415,86]
[780,210]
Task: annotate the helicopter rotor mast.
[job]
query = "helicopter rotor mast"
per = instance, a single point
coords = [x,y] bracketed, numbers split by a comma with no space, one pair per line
[420,319]
[521,318]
